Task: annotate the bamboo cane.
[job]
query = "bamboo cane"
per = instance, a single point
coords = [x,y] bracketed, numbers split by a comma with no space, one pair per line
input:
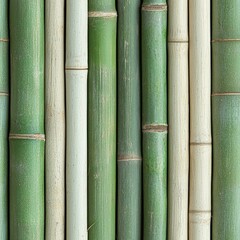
[154,99]
[129,130]
[27,120]
[76,93]
[102,120]
[55,120]
[200,121]
[4,89]
[225,119]
[178,120]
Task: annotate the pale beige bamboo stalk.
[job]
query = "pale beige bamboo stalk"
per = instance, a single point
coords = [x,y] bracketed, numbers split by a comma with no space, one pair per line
[200,121]
[178,145]
[55,120]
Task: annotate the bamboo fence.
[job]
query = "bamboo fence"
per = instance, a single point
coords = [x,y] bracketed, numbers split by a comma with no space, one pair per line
[76,106]
[55,119]
[154,121]
[4,111]
[27,120]
[225,119]
[178,115]
[129,129]
[200,121]
[102,120]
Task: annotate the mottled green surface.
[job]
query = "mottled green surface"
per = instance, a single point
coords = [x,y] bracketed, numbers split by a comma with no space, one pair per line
[27,117]
[155,185]
[4,82]
[154,100]
[101,125]
[226,119]
[129,128]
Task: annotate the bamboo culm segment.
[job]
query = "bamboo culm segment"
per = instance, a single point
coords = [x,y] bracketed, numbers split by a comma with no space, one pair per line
[26,120]
[154,119]
[76,106]
[4,112]
[225,119]
[178,115]
[129,128]
[55,120]
[200,121]
[102,120]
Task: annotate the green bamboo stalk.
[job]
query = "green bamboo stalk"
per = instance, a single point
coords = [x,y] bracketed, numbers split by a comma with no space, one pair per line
[102,120]
[226,118]
[4,89]
[129,130]
[154,99]
[27,120]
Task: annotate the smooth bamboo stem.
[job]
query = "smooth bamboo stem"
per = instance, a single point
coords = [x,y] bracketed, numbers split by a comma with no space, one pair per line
[102,120]
[55,120]
[76,105]
[178,115]
[27,120]
[154,118]
[200,121]
[225,119]
[4,111]
[129,129]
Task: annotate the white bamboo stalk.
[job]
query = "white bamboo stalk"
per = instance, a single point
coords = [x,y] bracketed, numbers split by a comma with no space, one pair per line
[55,120]
[178,162]
[200,121]
[76,103]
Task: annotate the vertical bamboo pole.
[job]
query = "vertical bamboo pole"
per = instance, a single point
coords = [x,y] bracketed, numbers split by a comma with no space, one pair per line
[76,97]
[55,120]
[102,120]
[27,120]
[178,120]
[154,99]
[225,119]
[4,92]
[200,121]
[129,129]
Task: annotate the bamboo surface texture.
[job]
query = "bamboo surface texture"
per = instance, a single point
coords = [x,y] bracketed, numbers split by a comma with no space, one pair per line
[154,121]
[129,129]
[27,120]
[76,106]
[102,120]
[178,115]
[225,119]
[55,120]
[4,101]
[200,121]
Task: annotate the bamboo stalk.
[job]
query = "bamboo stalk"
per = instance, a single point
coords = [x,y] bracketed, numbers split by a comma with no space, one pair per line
[129,129]
[154,99]
[55,120]
[225,119]
[178,145]
[102,120]
[27,120]
[200,121]
[76,97]
[4,105]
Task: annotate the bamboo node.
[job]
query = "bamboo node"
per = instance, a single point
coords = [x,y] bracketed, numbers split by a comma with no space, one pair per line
[76,68]
[225,94]
[155,7]
[129,158]
[155,128]
[226,40]
[4,39]
[40,137]
[96,14]
[4,94]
